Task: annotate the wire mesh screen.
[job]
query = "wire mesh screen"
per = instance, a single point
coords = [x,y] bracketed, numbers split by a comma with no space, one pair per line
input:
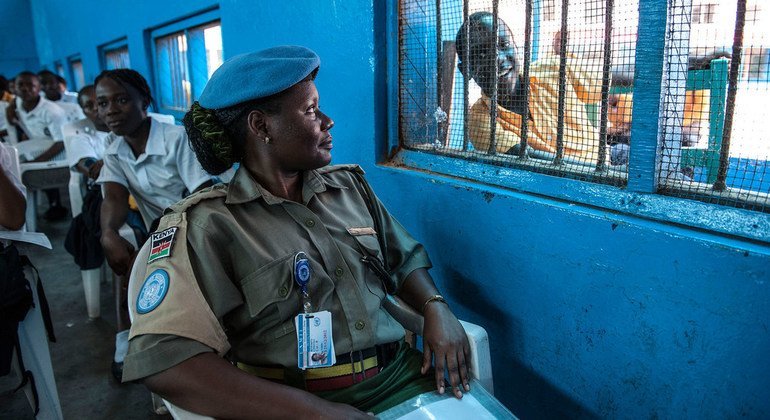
[715,145]
[463,67]
[471,70]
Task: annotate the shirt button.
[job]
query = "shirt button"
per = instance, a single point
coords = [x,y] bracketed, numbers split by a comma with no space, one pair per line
[360,325]
[283,291]
[309,222]
[339,272]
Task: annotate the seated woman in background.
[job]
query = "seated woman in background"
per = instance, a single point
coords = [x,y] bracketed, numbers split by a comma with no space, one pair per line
[235,272]
[12,201]
[145,158]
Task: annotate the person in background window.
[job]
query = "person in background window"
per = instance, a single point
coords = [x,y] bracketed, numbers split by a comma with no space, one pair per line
[12,202]
[581,139]
[145,158]
[40,118]
[55,89]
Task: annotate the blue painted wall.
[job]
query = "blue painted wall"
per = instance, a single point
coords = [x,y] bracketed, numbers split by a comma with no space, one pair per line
[17,45]
[591,313]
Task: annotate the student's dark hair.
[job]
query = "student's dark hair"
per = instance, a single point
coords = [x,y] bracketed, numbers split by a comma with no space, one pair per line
[82,91]
[128,78]
[28,74]
[4,85]
[217,135]
[46,72]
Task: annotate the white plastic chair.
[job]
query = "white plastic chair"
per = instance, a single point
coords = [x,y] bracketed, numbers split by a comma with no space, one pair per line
[40,176]
[480,363]
[168,119]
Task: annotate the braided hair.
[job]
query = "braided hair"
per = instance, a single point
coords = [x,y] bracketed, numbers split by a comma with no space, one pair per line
[216,135]
[126,78]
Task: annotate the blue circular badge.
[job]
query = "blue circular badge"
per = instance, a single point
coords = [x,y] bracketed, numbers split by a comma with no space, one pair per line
[152,292]
[302,272]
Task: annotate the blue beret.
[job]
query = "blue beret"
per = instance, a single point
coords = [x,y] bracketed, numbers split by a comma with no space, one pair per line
[257,75]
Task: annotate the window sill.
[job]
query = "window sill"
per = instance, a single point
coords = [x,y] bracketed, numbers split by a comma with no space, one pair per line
[740,223]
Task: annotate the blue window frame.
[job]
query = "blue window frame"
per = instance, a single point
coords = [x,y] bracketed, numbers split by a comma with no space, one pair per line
[114,55]
[77,75]
[185,54]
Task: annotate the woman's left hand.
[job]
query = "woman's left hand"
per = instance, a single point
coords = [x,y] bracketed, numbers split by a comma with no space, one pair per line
[445,341]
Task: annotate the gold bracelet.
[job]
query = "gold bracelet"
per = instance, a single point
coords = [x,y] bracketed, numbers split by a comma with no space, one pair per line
[434,298]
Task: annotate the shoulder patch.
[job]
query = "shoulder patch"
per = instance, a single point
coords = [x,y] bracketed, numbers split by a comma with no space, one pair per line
[153,290]
[161,243]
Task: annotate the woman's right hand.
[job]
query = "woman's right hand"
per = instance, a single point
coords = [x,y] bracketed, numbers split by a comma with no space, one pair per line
[118,251]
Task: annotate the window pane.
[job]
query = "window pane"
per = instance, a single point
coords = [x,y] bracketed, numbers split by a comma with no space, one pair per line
[205,54]
[77,73]
[172,70]
[117,59]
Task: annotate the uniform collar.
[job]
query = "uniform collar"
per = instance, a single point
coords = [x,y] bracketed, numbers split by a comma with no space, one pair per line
[155,143]
[244,188]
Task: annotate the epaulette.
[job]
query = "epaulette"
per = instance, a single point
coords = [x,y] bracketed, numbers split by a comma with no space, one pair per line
[214,191]
[334,168]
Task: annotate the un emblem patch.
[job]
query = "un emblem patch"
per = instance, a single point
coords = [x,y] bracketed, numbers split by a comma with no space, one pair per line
[152,292]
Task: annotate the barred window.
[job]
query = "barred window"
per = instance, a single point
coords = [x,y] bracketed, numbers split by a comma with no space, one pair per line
[186,55]
[115,55]
[77,74]
[463,95]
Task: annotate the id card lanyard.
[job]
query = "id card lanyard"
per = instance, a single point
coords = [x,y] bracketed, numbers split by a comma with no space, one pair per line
[302,278]
[315,344]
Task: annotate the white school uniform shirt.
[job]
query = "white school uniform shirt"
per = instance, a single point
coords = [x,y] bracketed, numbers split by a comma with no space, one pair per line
[45,120]
[87,143]
[160,175]
[6,163]
[72,110]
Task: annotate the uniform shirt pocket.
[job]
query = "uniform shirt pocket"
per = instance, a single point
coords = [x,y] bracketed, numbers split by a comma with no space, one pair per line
[272,298]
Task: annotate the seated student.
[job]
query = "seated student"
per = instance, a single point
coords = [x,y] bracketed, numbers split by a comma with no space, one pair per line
[5,99]
[581,139]
[41,118]
[287,233]
[148,159]
[55,89]
[12,201]
[85,152]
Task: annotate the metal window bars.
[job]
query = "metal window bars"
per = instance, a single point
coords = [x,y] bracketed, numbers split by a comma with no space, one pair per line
[557,135]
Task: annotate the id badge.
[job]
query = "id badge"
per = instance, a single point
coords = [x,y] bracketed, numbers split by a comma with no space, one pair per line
[315,345]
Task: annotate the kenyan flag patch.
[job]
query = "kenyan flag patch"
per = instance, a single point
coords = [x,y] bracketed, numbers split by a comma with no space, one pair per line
[161,244]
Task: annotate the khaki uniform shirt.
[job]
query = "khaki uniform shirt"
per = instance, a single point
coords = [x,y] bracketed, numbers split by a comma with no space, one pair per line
[231,287]
[581,139]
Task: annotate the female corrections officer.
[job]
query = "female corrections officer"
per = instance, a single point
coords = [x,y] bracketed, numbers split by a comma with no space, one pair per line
[248,282]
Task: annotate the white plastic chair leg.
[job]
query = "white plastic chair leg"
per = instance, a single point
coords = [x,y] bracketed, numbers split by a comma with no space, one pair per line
[31,214]
[91,286]
[37,357]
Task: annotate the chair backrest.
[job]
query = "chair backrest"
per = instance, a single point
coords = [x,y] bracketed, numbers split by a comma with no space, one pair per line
[30,149]
[14,169]
[168,119]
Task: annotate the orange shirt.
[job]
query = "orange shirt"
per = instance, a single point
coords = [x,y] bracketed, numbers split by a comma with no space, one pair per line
[581,139]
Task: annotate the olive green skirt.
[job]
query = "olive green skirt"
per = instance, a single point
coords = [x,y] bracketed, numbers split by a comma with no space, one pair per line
[398,382]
